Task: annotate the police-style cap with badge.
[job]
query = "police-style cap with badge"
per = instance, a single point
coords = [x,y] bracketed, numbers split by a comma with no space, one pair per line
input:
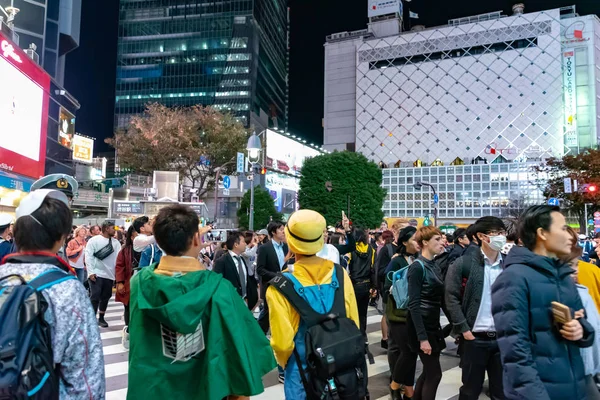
[5,221]
[61,182]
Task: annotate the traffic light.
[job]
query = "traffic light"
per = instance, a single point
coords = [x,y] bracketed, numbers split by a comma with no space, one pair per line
[263,171]
[592,189]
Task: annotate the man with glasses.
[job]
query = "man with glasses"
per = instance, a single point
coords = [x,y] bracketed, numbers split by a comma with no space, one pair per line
[469,303]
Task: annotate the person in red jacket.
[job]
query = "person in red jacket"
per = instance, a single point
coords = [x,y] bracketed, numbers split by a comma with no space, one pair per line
[127,260]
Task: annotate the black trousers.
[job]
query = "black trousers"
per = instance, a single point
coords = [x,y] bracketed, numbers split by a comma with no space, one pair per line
[362,291]
[477,357]
[430,378]
[126,314]
[101,293]
[263,317]
[402,361]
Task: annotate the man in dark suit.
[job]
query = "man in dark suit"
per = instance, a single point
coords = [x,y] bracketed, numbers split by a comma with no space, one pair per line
[270,260]
[233,268]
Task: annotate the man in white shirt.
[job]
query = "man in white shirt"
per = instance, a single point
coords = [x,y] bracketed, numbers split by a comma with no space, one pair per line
[470,308]
[101,258]
[143,226]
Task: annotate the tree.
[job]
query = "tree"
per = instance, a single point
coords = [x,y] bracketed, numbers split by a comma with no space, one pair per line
[585,168]
[195,141]
[345,181]
[264,209]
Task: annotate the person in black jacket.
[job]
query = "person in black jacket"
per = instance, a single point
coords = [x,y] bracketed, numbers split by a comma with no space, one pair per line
[469,306]
[233,268]
[382,260]
[403,375]
[270,260]
[361,269]
[541,358]
[461,242]
[425,292]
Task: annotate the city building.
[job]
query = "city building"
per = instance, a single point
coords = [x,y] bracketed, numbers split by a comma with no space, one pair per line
[232,55]
[492,93]
[47,31]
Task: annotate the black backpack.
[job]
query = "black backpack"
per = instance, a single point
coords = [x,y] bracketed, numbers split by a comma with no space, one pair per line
[335,347]
[27,369]
[361,266]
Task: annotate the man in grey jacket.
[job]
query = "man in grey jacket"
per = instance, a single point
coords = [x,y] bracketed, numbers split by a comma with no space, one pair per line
[469,304]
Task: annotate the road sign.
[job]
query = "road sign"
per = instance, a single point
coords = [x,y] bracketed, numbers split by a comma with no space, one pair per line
[240,163]
[225,192]
[436,198]
[597,214]
[568,185]
[226,182]
[553,202]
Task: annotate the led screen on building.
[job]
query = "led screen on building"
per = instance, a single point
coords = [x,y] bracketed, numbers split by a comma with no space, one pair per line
[23,112]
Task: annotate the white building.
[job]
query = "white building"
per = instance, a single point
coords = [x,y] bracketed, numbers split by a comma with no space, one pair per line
[482,89]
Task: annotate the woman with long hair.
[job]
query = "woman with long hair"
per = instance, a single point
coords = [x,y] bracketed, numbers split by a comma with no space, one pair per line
[403,375]
[127,260]
[425,291]
[75,252]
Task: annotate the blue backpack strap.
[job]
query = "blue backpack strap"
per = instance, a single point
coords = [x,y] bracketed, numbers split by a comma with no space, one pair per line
[49,278]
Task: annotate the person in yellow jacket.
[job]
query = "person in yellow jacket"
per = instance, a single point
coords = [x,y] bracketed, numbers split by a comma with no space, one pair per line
[316,277]
[589,276]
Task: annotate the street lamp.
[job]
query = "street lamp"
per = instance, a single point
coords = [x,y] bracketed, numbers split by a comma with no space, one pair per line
[418,186]
[254,148]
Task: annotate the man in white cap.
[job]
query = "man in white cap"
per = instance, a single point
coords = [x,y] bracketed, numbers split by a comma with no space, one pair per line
[5,243]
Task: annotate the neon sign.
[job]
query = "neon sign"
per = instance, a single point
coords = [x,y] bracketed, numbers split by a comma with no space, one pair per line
[9,51]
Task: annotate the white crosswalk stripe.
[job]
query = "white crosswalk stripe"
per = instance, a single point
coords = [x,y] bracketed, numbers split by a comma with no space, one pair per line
[116,363]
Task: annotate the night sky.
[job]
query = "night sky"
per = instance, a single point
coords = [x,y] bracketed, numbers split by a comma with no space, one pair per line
[91,69]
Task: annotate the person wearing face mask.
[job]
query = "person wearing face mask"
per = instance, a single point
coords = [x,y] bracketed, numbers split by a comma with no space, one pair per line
[469,304]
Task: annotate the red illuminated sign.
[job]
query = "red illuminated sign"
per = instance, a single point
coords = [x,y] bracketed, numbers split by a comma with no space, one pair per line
[23,112]
[8,51]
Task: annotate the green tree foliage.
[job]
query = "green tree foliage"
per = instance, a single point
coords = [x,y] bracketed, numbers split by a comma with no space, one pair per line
[585,168]
[355,184]
[264,209]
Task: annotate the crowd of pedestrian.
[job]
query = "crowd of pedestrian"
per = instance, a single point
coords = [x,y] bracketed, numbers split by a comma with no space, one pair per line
[522,298]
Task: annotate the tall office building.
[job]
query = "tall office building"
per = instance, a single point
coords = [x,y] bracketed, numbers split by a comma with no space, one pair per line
[231,54]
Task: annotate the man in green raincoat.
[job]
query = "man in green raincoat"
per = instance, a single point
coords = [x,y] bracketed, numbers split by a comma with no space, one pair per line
[191,335]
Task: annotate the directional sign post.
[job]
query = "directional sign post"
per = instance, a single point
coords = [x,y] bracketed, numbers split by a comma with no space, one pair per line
[553,202]
[436,199]
[226,182]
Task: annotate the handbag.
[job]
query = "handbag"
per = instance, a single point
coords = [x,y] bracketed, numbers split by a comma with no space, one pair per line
[105,251]
[74,256]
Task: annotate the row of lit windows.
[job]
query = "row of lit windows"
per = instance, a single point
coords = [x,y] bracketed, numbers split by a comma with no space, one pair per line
[177,45]
[239,93]
[453,170]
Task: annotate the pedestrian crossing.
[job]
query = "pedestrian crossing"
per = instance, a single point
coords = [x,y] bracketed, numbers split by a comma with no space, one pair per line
[117,365]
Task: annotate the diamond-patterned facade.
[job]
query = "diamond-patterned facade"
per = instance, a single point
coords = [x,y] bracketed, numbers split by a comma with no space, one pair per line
[474,90]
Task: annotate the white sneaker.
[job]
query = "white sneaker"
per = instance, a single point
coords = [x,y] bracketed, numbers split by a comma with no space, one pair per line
[125,338]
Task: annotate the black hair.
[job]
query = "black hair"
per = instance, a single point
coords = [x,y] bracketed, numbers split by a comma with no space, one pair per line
[335,238]
[470,232]
[361,236]
[174,229]
[139,222]
[273,227]
[449,237]
[511,230]
[404,236]
[234,238]
[106,225]
[4,228]
[597,235]
[248,236]
[55,221]
[129,236]
[458,234]
[486,225]
[94,227]
[532,219]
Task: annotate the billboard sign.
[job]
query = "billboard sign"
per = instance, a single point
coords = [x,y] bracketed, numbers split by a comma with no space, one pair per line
[23,112]
[383,7]
[285,154]
[66,128]
[83,148]
[570,104]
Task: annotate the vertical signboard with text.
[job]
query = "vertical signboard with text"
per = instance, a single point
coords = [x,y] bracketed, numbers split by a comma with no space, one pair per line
[24,103]
[570,93]
[83,149]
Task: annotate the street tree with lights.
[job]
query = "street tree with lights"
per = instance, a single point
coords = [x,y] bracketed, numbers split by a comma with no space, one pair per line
[343,181]
[196,141]
[583,168]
